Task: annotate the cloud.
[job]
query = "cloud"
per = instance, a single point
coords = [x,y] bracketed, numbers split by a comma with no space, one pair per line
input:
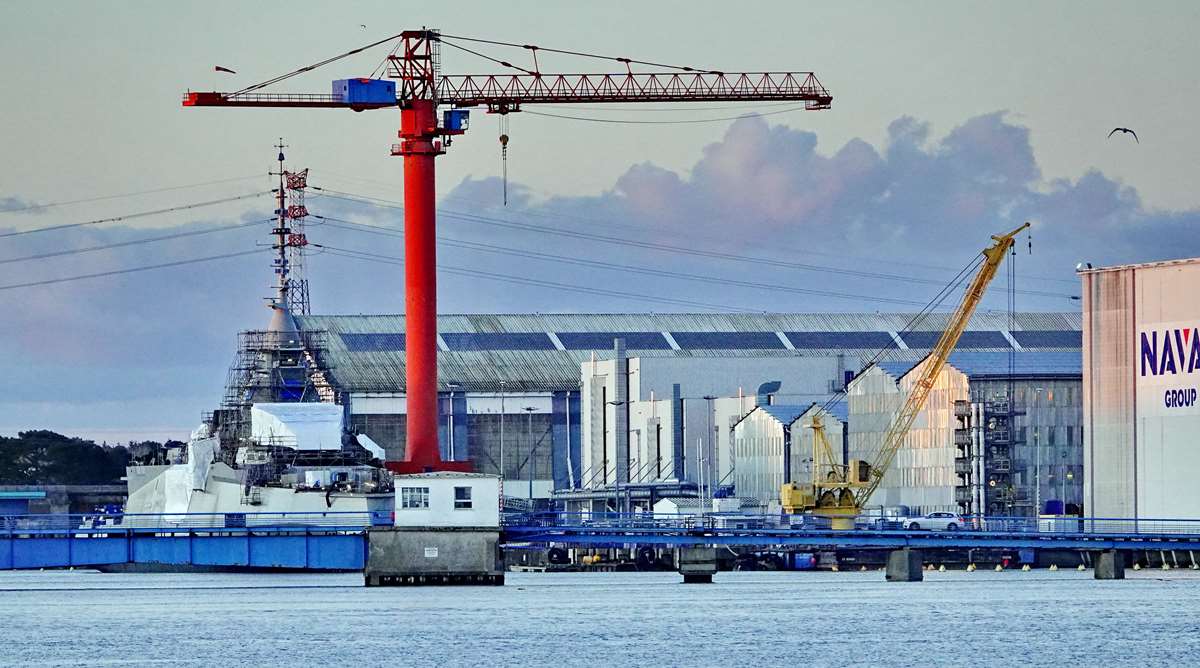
[915,200]
[151,348]
[15,204]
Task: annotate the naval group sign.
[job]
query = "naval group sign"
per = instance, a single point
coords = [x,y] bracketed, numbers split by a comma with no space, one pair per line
[1168,369]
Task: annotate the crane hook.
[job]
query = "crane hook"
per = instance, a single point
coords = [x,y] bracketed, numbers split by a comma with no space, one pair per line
[504,154]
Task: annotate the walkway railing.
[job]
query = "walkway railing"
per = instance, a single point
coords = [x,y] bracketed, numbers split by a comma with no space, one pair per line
[140,523]
[636,522]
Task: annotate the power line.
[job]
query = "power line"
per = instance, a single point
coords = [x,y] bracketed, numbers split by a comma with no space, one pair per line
[134,242]
[133,194]
[115,272]
[476,273]
[758,261]
[492,248]
[554,214]
[143,214]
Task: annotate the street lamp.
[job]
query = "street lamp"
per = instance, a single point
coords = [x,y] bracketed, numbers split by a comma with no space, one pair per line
[450,420]
[617,478]
[1037,453]
[709,452]
[502,476]
[529,437]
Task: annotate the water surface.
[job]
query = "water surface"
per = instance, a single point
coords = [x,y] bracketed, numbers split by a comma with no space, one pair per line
[61,618]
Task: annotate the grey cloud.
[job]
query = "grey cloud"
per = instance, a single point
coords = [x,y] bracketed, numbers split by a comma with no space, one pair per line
[18,204]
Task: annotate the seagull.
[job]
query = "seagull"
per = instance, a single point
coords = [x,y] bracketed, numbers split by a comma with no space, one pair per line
[363,26]
[218,68]
[1127,131]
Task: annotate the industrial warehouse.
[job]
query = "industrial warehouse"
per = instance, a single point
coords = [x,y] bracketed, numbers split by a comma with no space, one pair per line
[620,410]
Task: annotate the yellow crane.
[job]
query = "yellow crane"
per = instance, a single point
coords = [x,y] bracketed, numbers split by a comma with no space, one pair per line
[841,491]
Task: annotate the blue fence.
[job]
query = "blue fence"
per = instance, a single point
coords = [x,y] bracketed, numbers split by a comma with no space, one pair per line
[310,541]
[1085,533]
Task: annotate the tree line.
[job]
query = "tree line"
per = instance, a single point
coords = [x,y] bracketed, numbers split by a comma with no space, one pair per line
[42,457]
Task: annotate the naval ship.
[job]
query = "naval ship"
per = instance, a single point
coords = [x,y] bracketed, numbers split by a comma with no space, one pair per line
[279,443]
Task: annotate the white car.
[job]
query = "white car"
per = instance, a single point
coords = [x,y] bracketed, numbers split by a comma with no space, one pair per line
[935,522]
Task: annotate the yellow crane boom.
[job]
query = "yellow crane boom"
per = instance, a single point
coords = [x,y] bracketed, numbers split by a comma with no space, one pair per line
[842,491]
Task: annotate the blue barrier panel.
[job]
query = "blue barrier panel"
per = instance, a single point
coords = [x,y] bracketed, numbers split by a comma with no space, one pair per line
[232,550]
[345,552]
[41,553]
[153,549]
[279,551]
[98,550]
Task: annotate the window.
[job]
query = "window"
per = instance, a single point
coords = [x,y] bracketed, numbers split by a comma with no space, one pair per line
[414,497]
[462,498]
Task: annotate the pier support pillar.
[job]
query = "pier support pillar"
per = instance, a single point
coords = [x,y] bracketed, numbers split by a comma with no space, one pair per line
[904,566]
[697,564]
[404,557]
[1110,565]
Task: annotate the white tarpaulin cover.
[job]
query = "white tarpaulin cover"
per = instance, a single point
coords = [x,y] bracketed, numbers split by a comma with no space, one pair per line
[303,426]
[372,447]
[200,459]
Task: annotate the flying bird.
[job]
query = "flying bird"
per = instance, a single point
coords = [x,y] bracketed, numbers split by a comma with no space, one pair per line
[363,26]
[218,68]
[1127,131]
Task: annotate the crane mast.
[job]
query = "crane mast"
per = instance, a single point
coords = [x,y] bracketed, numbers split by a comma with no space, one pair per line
[842,491]
[419,91]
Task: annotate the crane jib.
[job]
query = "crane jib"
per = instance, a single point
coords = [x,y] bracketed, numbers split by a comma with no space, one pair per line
[512,91]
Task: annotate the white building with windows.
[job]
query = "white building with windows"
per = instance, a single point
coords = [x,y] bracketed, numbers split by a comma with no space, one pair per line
[448,500]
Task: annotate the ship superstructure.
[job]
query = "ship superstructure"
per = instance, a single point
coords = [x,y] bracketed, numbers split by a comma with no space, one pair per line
[279,441]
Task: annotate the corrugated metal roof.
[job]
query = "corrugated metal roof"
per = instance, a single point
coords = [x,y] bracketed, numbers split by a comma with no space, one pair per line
[991,365]
[377,363]
[785,414]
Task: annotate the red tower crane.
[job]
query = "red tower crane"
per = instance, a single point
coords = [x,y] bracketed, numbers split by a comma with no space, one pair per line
[421,90]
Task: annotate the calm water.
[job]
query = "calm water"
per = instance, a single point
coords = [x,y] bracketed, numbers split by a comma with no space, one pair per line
[594,620]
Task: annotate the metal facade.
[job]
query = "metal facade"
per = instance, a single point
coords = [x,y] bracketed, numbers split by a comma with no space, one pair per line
[1139,336]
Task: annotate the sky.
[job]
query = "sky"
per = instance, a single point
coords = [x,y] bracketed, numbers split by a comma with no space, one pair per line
[950,122]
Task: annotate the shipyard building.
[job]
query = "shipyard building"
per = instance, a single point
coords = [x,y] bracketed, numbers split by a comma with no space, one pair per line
[1141,362]
[555,403]
[1000,435]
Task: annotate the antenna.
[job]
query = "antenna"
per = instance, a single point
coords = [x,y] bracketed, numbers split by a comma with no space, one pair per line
[291,240]
[281,233]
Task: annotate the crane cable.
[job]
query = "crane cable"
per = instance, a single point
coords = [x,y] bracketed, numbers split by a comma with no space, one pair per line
[309,68]
[917,318]
[534,48]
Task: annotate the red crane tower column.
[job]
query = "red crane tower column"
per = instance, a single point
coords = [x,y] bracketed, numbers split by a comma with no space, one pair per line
[420,145]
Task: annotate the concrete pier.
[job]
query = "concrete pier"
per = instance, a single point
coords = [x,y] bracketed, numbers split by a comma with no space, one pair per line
[407,556]
[1110,565]
[697,564]
[904,566]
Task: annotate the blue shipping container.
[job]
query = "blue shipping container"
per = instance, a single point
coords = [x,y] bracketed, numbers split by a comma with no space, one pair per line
[456,119]
[368,91]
